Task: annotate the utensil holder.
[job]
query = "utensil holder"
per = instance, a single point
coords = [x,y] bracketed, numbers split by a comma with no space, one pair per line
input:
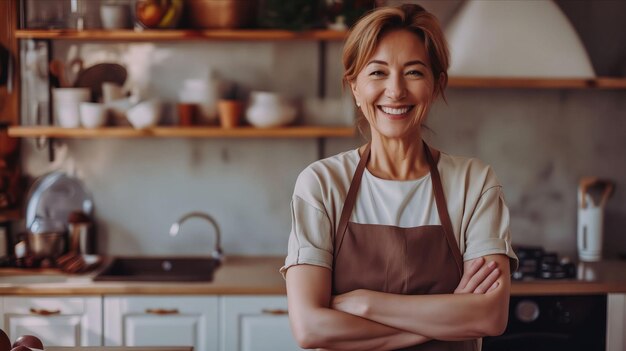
[590,233]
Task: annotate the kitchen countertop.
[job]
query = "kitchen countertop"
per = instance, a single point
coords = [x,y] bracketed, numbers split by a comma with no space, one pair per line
[258,275]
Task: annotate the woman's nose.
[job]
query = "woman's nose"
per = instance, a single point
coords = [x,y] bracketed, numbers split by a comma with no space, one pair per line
[396,88]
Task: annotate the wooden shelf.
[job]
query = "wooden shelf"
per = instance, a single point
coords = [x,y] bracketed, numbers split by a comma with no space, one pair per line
[537,83]
[314,35]
[182,132]
[184,34]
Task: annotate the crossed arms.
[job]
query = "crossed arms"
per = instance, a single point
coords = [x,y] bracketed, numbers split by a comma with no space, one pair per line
[369,320]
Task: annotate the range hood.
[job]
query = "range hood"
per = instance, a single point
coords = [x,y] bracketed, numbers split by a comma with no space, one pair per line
[521,38]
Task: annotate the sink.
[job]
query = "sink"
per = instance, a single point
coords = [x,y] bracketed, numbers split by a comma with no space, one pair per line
[159,269]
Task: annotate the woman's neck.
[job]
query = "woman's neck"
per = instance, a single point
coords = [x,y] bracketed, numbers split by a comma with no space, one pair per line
[397,159]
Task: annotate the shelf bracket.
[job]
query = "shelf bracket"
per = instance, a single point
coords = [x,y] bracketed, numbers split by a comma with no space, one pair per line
[321,91]
[321,79]
[51,150]
[321,148]
[44,142]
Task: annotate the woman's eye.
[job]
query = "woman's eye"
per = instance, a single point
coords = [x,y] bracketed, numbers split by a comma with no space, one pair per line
[377,73]
[415,73]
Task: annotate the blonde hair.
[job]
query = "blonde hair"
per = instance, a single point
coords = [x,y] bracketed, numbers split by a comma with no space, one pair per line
[366,33]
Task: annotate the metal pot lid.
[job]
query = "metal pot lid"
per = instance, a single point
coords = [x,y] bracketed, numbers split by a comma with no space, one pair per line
[56,195]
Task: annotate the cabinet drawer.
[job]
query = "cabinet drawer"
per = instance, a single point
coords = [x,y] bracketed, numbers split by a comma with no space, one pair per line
[46,305]
[256,323]
[57,321]
[161,321]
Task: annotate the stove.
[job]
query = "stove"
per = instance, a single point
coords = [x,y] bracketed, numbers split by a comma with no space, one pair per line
[551,322]
[536,263]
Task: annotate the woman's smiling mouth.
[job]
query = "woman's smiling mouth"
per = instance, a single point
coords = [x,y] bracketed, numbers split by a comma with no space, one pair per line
[395,112]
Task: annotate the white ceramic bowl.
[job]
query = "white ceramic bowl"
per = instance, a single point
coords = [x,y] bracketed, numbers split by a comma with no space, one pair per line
[145,114]
[92,115]
[267,110]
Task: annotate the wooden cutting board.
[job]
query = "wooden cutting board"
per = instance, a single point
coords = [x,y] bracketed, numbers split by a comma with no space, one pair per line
[93,77]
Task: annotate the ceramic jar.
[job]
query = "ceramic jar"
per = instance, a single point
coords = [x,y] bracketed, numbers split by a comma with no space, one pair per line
[115,16]
[268,110]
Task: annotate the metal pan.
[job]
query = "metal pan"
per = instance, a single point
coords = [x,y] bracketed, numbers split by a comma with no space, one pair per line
[56,195]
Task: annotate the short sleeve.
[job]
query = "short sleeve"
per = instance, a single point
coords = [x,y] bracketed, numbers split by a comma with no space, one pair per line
[310,240]
[488,230]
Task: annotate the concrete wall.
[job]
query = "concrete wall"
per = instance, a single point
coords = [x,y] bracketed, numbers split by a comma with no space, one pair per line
[540,143]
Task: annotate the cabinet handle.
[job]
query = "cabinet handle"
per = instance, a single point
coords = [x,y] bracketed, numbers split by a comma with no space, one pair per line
[44,312]
[274,311]
[162,311]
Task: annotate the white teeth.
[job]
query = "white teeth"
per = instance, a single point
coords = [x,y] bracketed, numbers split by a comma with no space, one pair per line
[395,111]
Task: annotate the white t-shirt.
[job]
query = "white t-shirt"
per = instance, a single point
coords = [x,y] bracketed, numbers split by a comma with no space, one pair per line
[474,198]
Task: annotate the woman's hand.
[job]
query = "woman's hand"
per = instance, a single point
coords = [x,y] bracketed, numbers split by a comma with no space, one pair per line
[353,302]
[480,278]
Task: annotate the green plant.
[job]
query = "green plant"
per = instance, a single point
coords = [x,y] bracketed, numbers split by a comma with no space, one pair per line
[293,14]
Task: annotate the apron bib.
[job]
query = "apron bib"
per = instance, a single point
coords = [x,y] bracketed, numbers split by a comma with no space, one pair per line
[410,261]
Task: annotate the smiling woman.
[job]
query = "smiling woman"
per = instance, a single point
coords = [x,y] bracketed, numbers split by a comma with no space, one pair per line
[396,244]
[396,86]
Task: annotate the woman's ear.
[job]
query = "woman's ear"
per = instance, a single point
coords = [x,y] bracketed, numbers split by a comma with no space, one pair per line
[354,92]
[353,89]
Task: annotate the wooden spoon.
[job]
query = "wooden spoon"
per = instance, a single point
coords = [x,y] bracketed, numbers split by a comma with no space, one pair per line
[57,69]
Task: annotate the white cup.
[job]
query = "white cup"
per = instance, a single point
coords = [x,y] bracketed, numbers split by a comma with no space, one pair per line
[92,114]
[66,101]
[111,91]
[115,16]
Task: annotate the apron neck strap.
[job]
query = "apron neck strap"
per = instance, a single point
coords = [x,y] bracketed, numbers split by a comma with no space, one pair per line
[348,205]
[442,209]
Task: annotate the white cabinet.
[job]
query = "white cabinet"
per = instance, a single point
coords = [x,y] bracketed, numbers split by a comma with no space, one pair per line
[57,321]
[255,323]
[161,321]
[616,322]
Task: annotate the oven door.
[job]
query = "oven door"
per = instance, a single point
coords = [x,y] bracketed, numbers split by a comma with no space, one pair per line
[550,323]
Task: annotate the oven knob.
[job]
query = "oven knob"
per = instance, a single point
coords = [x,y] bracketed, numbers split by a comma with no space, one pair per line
[527,311]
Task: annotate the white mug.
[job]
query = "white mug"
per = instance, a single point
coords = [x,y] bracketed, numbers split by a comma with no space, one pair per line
[92,114]
[115,16]
[66,101]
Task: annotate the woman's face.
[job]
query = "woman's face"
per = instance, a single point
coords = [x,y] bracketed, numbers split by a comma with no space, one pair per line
[395,88]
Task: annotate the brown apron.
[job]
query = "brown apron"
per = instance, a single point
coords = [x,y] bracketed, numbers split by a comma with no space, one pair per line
[410,261]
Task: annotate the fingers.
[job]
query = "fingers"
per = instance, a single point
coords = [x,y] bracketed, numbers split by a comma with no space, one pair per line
[473,268]
[488,282]
[480,276]
[483,273]
[494,286]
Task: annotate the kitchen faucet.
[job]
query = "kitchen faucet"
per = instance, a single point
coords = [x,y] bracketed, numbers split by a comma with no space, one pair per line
[217,251]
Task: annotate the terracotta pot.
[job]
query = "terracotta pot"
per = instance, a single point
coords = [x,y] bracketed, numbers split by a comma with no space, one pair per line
[230,112]
[187,114]
[221,13]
